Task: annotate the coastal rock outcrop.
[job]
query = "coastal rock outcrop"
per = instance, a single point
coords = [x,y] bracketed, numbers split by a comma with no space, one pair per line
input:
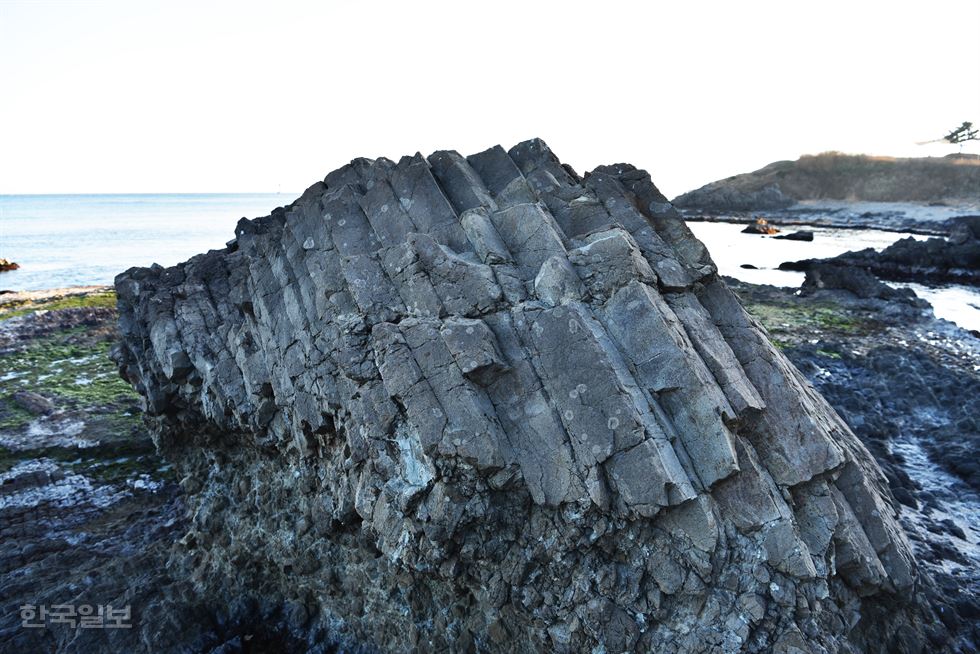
[954,259]
[860,282]
[486,403]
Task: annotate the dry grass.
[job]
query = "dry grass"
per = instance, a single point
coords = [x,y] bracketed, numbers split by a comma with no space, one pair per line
[838,176]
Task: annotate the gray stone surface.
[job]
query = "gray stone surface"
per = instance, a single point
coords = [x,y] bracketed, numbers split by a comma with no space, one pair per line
[486,403]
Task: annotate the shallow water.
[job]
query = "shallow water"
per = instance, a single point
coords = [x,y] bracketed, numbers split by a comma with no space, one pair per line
[953,500]
[956,303]
[730,249]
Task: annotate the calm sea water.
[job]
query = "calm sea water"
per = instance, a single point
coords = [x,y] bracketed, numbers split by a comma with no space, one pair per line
[67,240]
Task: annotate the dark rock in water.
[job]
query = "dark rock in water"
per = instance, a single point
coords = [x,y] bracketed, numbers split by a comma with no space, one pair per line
[802,235]
[954,529]
[760,226]
[487,403]
[965,229]
[7,265]
[954,259]
[748,266]
[862,283]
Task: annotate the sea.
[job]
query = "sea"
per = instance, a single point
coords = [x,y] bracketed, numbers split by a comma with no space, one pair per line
[80,240]
[77,240]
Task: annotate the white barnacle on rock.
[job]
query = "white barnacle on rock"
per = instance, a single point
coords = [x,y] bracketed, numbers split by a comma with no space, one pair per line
[417,470]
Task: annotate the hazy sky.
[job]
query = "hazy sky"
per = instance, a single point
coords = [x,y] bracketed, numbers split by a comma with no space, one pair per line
[174,96]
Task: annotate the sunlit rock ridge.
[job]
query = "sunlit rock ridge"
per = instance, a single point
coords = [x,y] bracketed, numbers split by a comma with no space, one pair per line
[486,403]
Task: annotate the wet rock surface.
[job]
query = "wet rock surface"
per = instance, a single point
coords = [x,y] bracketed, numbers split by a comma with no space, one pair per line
[908,385]
[89,513]
[486,403]
[860,282]
[86,515]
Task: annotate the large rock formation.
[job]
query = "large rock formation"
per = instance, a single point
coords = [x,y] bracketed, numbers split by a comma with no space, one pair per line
[485,403]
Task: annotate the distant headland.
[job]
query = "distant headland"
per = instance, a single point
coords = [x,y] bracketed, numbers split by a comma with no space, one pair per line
[838,176]
[917,194]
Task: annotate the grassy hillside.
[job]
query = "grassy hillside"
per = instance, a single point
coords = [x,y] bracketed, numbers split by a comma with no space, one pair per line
[838,176]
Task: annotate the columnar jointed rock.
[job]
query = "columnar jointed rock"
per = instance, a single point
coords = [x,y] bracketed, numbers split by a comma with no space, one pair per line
[484,402]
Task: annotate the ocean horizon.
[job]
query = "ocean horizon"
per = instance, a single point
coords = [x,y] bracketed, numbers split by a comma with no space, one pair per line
[71,239]
[62,240]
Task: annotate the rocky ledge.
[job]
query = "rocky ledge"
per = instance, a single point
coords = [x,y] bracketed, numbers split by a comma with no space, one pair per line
[88,511]
[955,259]
[485,403]
[907,384]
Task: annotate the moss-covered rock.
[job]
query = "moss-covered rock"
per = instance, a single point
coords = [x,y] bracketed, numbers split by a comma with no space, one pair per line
[27,303]
[92,423]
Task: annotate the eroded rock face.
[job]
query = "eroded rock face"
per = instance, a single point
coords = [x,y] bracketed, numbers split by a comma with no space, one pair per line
[482,402]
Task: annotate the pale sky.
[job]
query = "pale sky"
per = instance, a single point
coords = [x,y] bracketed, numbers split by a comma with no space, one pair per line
[200,96]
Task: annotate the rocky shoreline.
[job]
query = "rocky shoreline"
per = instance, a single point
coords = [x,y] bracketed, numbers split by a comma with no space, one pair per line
[887,217]
[860,353]
[907,384]
[486,403]
[89,512]
[955,259]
